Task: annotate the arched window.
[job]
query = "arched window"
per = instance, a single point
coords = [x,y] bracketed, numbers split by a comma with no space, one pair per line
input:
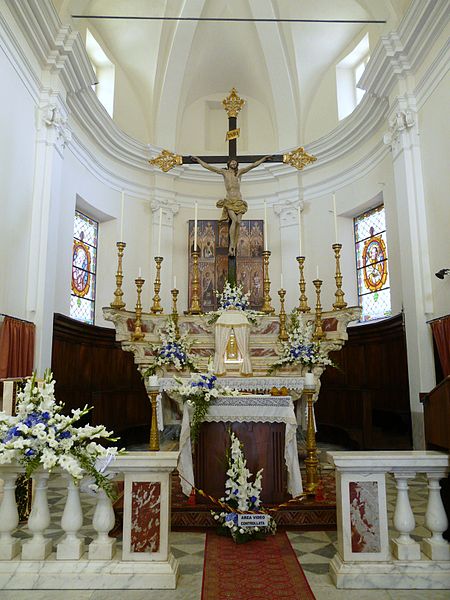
[84,268]
[348,73]
[104,70]
[374,293]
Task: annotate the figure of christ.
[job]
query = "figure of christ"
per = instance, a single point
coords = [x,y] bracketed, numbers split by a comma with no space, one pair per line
[233,206]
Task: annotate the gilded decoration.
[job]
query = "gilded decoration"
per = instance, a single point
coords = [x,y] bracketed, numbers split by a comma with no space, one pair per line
[166,161]
[298,158]
[233,103]
[233,134]
[375,265]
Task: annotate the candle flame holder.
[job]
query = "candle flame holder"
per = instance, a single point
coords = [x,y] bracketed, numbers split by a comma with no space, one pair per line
[195,308]
[340,302]
[303,300]
[118,302]
[174,315]
[138,334]
[318,331]
[156,306]
[311,460]
[283,335]
[267,306]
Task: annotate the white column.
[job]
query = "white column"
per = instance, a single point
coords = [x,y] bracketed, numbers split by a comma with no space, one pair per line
[287,211]
[71,547]
[39,547]
[103,547]
[403,137]
[436,520]
[52,136]
[169,210]
[9,517]
[404,547]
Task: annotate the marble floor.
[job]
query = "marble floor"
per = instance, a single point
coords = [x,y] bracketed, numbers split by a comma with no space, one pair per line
[314,550]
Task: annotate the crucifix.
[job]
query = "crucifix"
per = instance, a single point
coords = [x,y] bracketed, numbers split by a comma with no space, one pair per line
[233,206]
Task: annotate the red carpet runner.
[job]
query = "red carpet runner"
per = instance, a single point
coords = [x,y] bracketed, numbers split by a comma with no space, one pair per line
[258,570]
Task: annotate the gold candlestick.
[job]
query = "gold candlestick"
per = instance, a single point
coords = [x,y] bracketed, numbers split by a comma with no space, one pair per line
[283,335]
[195,308]
[267,307]
[340,302]
[303,300]
[154,434]
[118,294]
[311,461]
[174,315]
[318,331]
[137,334]
[156,307]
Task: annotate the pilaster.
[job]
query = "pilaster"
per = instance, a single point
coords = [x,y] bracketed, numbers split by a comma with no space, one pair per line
[403,138]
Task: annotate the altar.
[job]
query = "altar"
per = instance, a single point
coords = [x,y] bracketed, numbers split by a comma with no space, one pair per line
[272,448]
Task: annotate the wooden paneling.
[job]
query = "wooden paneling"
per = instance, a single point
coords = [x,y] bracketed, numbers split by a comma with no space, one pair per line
[369,392]
[90,368]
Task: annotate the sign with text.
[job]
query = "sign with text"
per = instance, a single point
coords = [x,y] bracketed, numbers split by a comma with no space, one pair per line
[253,520]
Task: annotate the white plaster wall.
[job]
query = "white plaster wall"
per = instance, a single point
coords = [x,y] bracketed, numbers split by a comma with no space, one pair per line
[322,115]
[434,127]
[17,152]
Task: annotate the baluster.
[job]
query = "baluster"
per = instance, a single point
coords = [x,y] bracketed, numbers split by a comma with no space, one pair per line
[9,517]
[103,547]
[436,521]
[71,547]
[404,547]
[39,547]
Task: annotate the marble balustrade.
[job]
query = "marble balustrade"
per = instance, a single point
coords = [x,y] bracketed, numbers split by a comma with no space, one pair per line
[142,560]
[366,558]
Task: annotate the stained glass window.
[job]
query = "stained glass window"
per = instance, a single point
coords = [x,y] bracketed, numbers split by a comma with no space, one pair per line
[84,268]
[372,264]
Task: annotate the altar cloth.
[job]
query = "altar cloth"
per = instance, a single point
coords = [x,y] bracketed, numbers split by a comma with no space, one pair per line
[251,408]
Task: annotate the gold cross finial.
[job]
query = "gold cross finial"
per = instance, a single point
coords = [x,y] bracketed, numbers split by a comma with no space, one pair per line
[233,103]
[298,158]
[166,160]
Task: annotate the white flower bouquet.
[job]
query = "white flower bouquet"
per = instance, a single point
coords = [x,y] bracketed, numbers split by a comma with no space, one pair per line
[242,496]
[40,436]
[199,391]
[174,350]
[233,297]
[300,347]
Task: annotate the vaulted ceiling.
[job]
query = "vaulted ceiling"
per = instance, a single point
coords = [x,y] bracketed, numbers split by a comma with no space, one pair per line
[172,64]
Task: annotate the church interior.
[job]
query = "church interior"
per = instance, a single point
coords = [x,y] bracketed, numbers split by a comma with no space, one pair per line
[224,232]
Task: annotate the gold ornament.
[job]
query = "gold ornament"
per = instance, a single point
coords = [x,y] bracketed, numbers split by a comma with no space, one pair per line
[166,161]
[298,158]
[233,103]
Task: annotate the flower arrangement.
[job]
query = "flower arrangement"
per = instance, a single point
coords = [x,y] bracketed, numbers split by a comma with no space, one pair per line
[243,496]
[39,435]
[233,297]
[199,391]
[174,350]
[300,348]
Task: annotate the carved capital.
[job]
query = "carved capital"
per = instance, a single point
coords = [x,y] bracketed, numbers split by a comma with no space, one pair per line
[399,122]
[169,209]
[53,125]
[287,210]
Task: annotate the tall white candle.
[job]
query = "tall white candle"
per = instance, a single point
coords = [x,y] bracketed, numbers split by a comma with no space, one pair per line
[266,241]
[299,231]
[335,220]
[140,272]
[309,380]
[317,271]
[174,282]
[281,280]
[122,205]
[195,225]
[159,231]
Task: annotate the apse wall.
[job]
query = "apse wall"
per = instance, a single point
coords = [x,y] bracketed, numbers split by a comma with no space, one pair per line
[17,154]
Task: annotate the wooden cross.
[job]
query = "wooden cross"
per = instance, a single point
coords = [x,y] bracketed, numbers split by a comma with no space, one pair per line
[233,104]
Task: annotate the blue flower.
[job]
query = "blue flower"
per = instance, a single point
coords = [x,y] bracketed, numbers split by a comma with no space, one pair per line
[30,452]
[64,435]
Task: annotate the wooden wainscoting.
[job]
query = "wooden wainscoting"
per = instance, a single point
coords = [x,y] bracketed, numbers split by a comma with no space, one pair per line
[90,368]
[365,403]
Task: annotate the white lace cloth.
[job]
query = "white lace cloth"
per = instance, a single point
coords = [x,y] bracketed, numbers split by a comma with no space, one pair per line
[245,383]
[262,409]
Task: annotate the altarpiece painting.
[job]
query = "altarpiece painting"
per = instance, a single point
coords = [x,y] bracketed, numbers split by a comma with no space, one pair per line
[212,240]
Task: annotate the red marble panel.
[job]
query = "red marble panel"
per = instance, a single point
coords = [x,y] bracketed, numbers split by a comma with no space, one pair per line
[263,352]
[145,516]
[330,324]
[364,516]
